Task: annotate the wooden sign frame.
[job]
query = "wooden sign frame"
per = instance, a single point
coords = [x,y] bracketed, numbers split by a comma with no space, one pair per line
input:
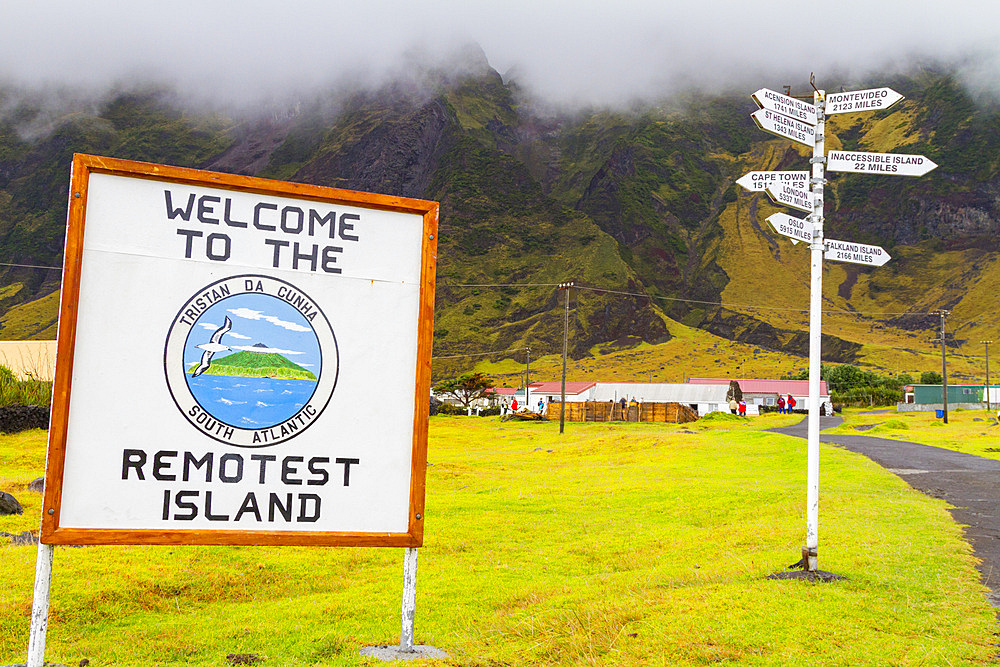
[84,166]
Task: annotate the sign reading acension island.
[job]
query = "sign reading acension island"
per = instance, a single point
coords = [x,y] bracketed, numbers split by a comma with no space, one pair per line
[241,361]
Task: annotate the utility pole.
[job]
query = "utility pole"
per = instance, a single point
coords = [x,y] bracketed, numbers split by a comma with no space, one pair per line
[944,367]
[566,287]
[987,344]
[527,377]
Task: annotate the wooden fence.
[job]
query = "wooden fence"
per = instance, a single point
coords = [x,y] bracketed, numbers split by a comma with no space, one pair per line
[591,411]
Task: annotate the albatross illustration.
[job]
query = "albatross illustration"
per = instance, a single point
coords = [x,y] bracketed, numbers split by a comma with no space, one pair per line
[211,347]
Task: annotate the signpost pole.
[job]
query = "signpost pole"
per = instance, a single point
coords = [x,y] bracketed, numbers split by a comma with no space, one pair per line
[987,343]
[409,600]
[40,605]
[566,287]
[815,339]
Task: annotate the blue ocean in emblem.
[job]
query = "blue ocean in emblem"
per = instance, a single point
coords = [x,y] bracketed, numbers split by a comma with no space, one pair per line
[251,402]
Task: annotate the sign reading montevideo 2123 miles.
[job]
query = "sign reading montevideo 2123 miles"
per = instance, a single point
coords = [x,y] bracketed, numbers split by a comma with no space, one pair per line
[241,361]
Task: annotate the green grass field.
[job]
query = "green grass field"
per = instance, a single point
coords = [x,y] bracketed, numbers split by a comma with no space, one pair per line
[970,431]
[613,544]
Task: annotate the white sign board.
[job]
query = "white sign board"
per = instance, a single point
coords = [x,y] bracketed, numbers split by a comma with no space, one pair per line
[783,126]
[785,105]
[757,181]
[248,362]
[856,253]
[792,196]
[872,99]
[892,164]
[794,228]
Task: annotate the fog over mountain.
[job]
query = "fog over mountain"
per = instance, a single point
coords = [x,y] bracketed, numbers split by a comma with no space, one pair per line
[583,52]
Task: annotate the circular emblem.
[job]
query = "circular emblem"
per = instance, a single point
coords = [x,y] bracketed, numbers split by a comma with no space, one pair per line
[251,360]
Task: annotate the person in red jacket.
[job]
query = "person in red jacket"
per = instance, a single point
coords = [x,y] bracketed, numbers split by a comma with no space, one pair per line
[781,405]
[790,403]
[743,408]
[513,405]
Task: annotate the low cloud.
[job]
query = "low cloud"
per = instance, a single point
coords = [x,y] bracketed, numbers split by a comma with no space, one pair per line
[583,52]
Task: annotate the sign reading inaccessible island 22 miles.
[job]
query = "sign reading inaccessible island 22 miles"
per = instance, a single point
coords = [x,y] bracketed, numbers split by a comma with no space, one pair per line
[240,361]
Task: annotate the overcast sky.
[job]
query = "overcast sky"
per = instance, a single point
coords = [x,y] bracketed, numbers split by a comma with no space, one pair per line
[578,51]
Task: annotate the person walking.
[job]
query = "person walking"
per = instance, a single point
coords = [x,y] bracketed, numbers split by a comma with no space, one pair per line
[733,405]
[781,405]
[513,406]
[790,403]
[743,408]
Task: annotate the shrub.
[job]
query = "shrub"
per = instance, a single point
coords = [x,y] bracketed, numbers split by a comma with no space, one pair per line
[23,392]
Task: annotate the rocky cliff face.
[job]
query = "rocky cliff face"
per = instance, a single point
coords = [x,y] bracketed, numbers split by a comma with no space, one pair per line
[643,203]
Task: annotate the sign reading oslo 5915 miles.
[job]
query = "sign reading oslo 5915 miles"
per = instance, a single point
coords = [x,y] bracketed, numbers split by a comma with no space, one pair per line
[241,361]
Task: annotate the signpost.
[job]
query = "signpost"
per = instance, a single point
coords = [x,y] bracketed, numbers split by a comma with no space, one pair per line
[799,121]
[794,228]
[783,126]
[873,99]
[891,164]
[855,253]
[756,181]
[790,195]
[785,105]
[227,348]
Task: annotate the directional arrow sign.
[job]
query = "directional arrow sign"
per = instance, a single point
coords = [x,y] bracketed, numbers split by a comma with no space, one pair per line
[783,126]
[785,105]
[794,228]
[789,195]
[756,181]
[856,253]
[893,164]
[872,99]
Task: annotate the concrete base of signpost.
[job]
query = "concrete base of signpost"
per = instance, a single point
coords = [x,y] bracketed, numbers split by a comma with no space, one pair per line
[388,653]
[806,575]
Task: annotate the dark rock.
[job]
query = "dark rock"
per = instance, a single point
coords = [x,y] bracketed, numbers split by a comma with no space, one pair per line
[435,405]
[9,505]
[243,659]
[21,539]
[37,485]
[17,418]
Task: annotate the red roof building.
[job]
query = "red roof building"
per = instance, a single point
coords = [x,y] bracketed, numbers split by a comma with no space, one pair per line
[793,387]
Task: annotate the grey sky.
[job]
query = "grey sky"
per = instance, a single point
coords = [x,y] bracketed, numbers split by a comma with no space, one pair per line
[566,51]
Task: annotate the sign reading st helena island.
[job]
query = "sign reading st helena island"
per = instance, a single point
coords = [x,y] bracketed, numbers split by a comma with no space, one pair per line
[240,361]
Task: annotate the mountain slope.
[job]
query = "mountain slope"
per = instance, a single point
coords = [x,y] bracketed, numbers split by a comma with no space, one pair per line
[643,204]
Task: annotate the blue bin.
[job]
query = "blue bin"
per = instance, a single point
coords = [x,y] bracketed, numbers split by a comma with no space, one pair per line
[939,414]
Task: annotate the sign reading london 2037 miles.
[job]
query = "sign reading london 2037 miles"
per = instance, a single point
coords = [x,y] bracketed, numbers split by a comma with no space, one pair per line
[241,361]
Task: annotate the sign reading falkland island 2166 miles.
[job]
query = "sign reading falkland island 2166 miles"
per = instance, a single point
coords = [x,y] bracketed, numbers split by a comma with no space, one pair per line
[240,361]
[855,253]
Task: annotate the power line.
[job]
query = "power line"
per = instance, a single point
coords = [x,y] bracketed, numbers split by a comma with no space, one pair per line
[504,285]
[29,266]
[482,354]
[740,305]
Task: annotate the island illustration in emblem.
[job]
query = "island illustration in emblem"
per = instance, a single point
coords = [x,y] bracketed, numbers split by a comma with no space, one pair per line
[252,361]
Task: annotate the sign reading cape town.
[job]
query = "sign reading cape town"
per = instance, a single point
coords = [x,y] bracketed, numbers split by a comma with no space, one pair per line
[240,361]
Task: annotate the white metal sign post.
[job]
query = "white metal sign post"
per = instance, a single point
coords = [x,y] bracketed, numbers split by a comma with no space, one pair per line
[225,348]
[788,117]
[809,554]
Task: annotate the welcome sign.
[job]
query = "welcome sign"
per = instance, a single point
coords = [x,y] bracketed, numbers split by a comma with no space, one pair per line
[240,361]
